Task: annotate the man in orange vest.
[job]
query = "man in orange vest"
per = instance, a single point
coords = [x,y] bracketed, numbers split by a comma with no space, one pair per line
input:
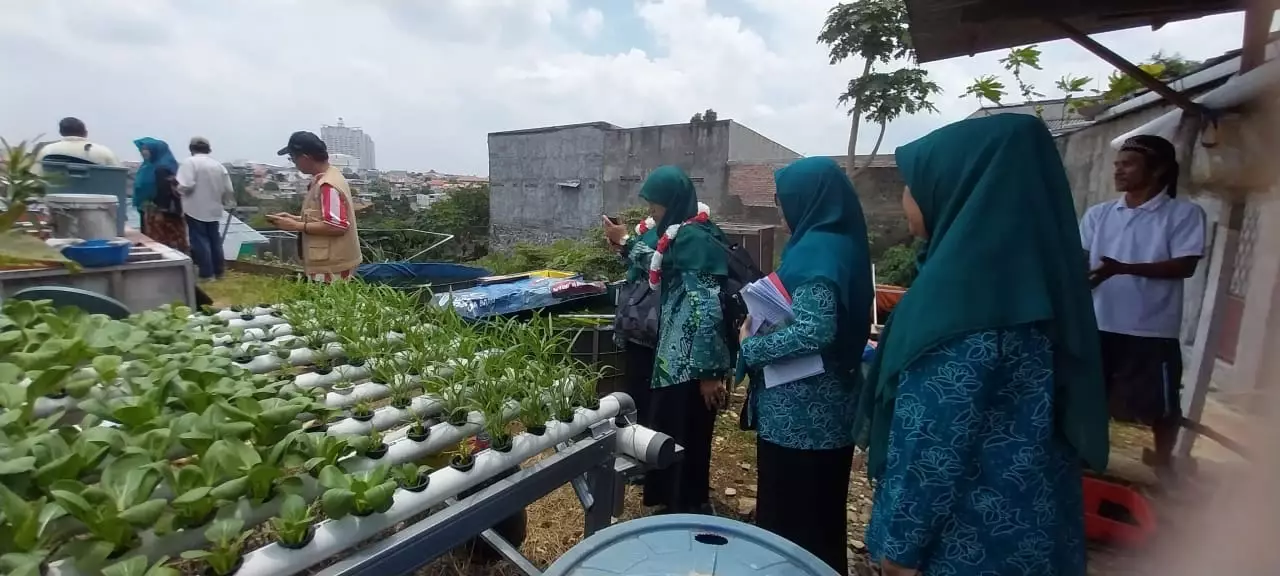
[329,240]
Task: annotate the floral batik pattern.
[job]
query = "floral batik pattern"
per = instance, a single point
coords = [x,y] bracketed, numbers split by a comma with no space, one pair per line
[977,480]
[691,342]
[815,413]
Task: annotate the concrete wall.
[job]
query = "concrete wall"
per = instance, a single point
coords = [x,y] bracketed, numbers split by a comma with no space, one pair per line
[526,168]
[702,150]
[879,190]
[747,145]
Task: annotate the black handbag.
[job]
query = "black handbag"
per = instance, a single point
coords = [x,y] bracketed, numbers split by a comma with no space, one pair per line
[638,314]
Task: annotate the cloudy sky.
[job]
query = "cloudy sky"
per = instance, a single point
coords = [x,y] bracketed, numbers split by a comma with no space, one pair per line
[428,79]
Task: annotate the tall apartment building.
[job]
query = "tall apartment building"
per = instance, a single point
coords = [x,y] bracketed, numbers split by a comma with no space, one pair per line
[352,141]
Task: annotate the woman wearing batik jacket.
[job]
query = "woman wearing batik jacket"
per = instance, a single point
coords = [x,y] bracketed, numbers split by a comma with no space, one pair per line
[687,266]
[804,440]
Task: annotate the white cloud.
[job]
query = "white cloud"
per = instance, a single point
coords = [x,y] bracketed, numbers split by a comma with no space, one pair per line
[590,21]
[428,80]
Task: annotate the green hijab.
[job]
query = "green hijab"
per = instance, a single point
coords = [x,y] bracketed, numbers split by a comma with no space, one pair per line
[1004,250]
[698,247]
[828,242]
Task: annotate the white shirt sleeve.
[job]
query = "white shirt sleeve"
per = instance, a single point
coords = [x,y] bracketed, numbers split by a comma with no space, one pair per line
[1088,227]
[1186,238]
[186,175]
[228,189]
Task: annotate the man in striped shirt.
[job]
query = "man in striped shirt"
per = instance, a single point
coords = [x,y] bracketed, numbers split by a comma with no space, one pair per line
[327,229]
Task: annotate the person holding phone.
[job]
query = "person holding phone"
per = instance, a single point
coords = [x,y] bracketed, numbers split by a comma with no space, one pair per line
[687,265]
[330,241]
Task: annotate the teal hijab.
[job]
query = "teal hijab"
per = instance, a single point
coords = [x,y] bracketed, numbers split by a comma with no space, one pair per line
[1003,250]
[698,247]
[144,180]
[828,242]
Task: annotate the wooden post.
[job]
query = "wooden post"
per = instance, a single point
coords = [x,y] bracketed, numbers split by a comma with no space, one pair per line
[1204,353]
[1151,82]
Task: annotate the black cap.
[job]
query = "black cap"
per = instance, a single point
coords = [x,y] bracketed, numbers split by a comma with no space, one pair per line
[304,143]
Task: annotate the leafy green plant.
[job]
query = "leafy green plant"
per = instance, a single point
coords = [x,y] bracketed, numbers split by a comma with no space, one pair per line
[411,476]
[19,186]
[193,503]
[137,566]
[29,532]
[251,476]
[418,427]
[120,504]
[363,410]
[326,451]
[293,525]
[464,455]
[361,493]
[227,537]
[371,444]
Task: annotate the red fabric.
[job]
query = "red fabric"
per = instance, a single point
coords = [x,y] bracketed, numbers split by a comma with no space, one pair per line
[333,208]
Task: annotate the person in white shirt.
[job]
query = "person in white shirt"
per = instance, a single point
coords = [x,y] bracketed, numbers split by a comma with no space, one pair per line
[1141,247]
[74,147]
[206,188]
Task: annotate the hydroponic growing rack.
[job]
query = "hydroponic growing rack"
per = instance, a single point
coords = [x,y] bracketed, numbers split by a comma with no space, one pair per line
[128,445]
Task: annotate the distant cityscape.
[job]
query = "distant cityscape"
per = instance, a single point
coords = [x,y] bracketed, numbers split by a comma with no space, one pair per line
[353,151]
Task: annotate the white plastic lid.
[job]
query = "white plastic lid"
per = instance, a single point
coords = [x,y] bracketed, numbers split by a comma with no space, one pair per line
[71,199]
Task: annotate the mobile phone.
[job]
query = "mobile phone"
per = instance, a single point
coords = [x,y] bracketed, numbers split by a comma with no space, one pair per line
[612,220]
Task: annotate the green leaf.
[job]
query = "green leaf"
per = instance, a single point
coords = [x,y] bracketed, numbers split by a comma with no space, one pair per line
[145,514]
[107,365]
[231,490]
[21,465]
[192,496]
[333,477]
[19,248]
[381,497]
[337,503]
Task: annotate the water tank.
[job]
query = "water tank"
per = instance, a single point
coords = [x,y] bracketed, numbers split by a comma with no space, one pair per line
[684,545]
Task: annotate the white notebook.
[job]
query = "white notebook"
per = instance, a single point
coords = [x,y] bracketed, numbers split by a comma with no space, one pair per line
[770,306]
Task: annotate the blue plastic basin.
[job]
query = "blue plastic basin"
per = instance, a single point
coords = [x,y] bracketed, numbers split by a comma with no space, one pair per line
[98,253]
[685,544]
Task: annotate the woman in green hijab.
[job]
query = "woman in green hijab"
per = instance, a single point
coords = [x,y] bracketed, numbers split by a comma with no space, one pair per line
[804,429]
[986,393]
[687,266]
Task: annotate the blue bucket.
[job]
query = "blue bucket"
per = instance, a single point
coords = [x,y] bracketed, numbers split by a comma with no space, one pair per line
[683,544]
[98,253]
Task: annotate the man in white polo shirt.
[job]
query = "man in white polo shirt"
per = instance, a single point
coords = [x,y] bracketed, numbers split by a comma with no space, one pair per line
[1141,248]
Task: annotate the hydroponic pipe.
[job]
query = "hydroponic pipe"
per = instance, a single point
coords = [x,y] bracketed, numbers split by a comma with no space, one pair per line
[335,536]
[388,417]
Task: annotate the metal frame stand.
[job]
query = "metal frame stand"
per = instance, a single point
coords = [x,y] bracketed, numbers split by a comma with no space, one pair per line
[591,465]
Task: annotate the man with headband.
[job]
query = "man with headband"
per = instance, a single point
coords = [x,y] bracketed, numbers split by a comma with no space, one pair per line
[1141,247]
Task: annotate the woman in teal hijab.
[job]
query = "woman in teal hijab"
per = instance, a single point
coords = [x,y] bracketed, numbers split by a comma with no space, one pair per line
[155,195]
[687,265]
[804,440]
[986,393]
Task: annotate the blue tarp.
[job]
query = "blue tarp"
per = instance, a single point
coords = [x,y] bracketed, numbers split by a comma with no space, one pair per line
[402,273]
[504,298]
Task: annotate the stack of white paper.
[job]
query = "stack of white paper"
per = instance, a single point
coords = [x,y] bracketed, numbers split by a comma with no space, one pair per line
[770,307]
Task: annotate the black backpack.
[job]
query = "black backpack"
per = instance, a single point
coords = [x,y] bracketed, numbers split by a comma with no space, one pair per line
[742,271]
[638,311]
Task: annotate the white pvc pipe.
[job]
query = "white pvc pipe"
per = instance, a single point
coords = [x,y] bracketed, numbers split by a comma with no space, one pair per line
[332,537]
[388,417]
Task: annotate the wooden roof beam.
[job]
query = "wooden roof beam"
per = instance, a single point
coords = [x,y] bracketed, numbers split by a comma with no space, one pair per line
[1151,82]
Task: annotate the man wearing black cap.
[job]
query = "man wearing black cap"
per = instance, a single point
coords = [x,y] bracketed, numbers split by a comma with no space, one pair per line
[1141,247]
[330,242]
